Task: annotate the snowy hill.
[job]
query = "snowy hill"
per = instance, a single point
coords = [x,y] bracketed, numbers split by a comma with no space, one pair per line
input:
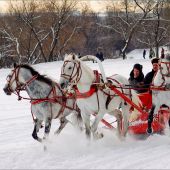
[138,53]
[71,150]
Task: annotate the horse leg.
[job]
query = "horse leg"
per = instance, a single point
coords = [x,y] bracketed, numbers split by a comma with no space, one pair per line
[150,120]
[79,121]
[47,128]
[37,126]
[118,114]
[46,131]
[86,120]
[94,126]
[125,112]
[63,122]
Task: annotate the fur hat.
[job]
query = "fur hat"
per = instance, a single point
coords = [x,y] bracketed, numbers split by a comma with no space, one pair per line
[155,60]
[138,67]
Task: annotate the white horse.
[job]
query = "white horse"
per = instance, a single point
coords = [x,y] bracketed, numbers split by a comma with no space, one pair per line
[91,98]
[160,96]
[47,99]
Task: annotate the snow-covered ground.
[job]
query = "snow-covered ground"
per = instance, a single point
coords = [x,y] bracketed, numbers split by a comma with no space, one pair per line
[71,150]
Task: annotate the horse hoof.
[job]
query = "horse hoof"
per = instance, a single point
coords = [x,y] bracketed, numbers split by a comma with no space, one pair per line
[55,133]
[98,136]
[101,135]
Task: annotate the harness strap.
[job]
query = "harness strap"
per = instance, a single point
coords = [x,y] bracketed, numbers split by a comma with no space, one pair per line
[87,94]
[92,90]
[105,122]
[127,100]
[38,101]
[97,74]
[158,88]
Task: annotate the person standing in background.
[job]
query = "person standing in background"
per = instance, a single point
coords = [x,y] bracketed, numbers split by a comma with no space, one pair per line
[151,53]
[99,55]
[144,53]
[162,53]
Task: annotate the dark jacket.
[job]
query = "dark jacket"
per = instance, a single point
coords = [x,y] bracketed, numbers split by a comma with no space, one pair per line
[100,56]
[148,78]
[137,82]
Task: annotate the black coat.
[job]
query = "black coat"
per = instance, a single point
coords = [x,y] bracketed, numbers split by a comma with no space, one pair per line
[148,78]
[100,56]
[137,82]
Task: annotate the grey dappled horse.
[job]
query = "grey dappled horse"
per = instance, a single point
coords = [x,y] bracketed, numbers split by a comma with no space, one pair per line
[47,99]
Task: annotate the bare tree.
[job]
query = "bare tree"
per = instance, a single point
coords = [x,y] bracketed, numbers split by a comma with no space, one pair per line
[154,31]
[13,41]
[61,15]
[125,20]
[47,28]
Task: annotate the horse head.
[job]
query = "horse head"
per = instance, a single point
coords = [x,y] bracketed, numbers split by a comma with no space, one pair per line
[163,73]
[165,65]
[19,77]
[13,80]
[70,71]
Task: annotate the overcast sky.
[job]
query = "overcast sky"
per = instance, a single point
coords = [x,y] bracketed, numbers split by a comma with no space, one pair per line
[96,5]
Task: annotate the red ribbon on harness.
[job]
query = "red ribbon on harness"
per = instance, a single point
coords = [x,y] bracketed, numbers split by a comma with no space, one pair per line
[86,94]
[38,101]
[92,90]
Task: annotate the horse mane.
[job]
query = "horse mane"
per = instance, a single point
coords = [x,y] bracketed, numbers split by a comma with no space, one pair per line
[40,77]
[70,56]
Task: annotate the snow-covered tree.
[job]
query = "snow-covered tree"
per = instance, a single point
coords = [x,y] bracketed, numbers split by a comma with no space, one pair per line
[124,18]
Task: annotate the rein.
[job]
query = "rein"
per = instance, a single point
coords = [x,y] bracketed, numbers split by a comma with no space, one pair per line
[54,99]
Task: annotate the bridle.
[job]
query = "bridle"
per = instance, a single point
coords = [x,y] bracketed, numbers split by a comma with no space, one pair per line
[73,77]
[19,86]
[164,75]
[168,68]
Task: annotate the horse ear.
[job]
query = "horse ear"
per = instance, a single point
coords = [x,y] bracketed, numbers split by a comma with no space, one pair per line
[15,65]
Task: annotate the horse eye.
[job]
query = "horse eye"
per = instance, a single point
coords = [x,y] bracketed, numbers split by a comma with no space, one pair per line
[70,68]
[9,77]
[161,68]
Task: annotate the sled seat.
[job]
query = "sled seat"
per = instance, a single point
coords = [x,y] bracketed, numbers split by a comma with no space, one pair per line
[139,126]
